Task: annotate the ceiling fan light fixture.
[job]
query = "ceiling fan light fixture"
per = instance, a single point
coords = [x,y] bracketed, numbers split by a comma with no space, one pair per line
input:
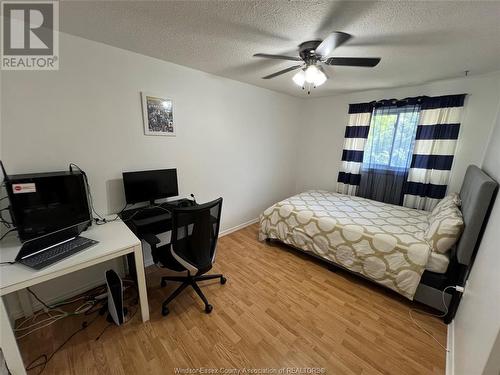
[299,78]
[311,73]
[314,76]
[320,78]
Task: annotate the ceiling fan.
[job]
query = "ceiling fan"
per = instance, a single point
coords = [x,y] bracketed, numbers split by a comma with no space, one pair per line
[313,56]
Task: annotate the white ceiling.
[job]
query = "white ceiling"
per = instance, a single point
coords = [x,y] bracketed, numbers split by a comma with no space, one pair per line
[417,41]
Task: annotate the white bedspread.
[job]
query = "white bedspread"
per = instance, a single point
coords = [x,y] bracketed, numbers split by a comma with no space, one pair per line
[380,241]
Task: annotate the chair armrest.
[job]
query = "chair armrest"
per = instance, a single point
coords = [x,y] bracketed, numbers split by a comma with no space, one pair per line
[151,239]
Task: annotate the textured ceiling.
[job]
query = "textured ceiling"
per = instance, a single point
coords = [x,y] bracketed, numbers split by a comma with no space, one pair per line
[417,41]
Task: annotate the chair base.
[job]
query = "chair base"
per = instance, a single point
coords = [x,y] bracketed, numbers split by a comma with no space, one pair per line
[189,281]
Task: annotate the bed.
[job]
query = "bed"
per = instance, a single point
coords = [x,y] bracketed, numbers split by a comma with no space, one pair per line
[383,242]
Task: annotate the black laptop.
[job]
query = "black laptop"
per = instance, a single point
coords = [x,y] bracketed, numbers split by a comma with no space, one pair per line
[48,249]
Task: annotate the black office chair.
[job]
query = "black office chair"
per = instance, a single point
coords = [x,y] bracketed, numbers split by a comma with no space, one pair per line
[192,248]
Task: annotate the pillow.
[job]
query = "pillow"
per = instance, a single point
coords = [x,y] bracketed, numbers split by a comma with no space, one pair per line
[446,224]
[452,198]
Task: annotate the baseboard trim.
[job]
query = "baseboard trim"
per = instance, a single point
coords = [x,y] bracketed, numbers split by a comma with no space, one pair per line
[225,232]
[450,344]
[149,262]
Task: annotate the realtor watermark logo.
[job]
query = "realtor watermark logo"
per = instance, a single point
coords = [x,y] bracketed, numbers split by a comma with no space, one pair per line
[30,35]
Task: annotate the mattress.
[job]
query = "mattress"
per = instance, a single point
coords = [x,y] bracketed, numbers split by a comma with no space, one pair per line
[382,242]
[438,262]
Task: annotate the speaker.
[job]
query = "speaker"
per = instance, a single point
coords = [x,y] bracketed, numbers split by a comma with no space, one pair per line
[115,296]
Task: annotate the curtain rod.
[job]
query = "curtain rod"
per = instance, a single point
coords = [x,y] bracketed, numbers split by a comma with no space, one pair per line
[416,99]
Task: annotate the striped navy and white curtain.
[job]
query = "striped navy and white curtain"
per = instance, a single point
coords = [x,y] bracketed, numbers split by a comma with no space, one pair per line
[356,134]
[434,150]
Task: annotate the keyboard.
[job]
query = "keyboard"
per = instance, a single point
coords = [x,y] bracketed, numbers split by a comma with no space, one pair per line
[153,215]
[146,213]
[180,203]
[57,253]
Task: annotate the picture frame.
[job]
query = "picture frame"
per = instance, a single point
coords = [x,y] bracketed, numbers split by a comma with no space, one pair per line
[158,115]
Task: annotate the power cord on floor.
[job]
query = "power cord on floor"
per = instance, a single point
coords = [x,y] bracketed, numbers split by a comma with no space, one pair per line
[112,324]
[459,289]
[46,358]
[93,299]
[104,330]
[85,309]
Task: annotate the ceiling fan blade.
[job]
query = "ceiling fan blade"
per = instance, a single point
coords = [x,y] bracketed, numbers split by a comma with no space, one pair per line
[332,41]
[277,57]
[282,72]
[368,62]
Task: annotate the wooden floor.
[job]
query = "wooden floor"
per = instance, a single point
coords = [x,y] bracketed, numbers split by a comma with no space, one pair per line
[279,309]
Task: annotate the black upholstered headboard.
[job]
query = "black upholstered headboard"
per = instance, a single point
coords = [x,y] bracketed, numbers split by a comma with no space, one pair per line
[477,193]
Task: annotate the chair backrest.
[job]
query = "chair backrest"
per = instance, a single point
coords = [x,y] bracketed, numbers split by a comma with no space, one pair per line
[195,231]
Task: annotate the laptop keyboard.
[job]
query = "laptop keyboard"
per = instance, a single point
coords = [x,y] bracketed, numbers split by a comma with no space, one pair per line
[57,253]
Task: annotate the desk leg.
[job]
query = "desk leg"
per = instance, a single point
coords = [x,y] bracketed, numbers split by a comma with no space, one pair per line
[141,283]
[131,266]
[8,343]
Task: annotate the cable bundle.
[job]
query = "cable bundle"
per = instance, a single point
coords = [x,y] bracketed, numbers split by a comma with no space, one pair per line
[94,301]
[54,313]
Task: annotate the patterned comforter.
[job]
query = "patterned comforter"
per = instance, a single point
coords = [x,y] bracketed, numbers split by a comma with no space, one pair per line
[383,242]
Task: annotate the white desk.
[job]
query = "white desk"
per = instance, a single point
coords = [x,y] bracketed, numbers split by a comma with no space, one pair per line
[115,240]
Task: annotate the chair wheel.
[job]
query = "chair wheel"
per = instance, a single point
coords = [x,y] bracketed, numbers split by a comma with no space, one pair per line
[164,311]
[223,280]
[208,309]
[163,283]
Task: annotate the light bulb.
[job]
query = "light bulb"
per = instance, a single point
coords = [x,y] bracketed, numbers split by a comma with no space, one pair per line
[311,73]
[299,78]
[319,79]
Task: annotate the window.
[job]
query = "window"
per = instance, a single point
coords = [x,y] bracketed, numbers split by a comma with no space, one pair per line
[391,138]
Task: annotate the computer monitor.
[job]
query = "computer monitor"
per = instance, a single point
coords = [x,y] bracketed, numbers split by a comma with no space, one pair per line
[42,203]
[143,186]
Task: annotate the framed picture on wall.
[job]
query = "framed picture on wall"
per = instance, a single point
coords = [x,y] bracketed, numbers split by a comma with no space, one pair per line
[157,114]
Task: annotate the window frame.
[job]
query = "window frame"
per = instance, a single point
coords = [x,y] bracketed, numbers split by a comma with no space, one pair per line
[393,110]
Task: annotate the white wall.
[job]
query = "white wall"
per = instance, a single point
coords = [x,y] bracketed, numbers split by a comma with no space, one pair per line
[324,121]
[233,140]
[477,323]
